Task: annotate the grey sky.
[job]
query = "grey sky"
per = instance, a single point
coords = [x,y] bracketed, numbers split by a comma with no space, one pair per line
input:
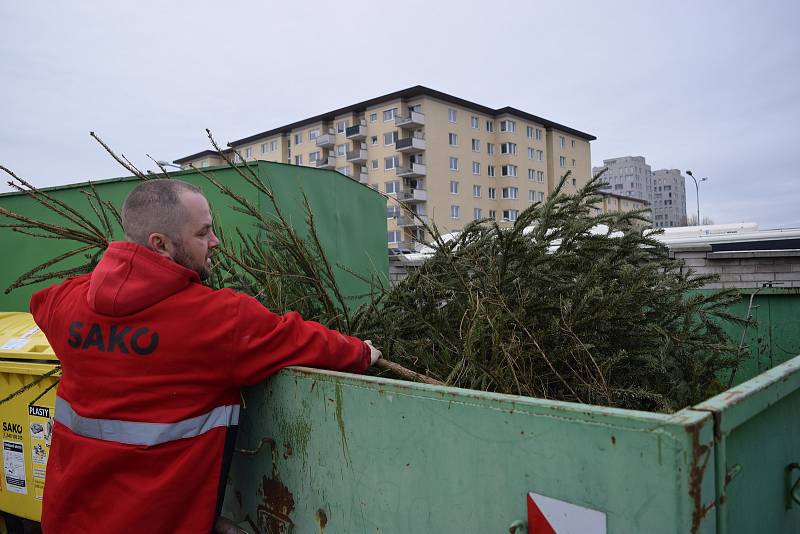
[707,86]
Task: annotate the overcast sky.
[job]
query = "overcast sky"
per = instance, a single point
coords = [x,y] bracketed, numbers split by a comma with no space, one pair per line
[710,86]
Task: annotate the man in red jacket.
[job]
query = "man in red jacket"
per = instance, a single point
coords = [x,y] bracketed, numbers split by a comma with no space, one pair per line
[152,362]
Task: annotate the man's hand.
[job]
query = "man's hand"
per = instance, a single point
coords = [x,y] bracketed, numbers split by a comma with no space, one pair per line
[375,354]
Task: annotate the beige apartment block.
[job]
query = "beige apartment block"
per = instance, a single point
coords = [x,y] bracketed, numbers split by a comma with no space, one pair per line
[613,203]
[446,159]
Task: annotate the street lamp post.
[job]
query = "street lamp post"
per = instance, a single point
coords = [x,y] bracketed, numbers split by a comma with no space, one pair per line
[697,191]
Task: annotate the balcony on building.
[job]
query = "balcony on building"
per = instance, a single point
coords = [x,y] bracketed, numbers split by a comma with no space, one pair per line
[405,221]
[326,163]
[413,171]
[410,145]
[412,121]
[357,156]
[407,246]
[357,132]
[326,141]
[413,196]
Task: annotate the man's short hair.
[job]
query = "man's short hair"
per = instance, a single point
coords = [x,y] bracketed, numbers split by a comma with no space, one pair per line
[155,206]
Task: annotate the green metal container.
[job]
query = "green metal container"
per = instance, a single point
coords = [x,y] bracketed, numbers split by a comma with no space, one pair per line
[775,338]
[337,453]
[340,206]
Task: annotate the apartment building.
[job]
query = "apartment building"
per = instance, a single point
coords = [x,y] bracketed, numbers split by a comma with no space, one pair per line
[664,190]
[446,159]
[669,198]
[613,203]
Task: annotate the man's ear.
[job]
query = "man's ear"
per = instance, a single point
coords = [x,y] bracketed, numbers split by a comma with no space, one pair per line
[160,244]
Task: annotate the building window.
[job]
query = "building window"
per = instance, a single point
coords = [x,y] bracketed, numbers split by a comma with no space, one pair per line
[298,160]
[314,156]
[452,139]
[453,164]
[341,126]
[455,212]
[392,188]
[531,153]
[510,215]
[508,126]
[273,146]
[492,193]
[510,193]
[248,153]
[453,187]
[476,191]
[538,134]
[374,163]
[452,115]
[529,132]
[347,171]
[490,148]
[489,126]
[531,196]
[531,174]
[389,138]
[476,168]
[389,114]
[540,155]
[473,121]
[390,162]
[394,236]
[476,213]
[264,148]
[298,138]
[476,145]
[573,164]
[492,214]
[508,148]
[508,170]
[562,161]
[562,141]
[540,176]
[374,140]
[573,142]
[393,212]
[341,150]
[490,170]
[313,134]
[373,117]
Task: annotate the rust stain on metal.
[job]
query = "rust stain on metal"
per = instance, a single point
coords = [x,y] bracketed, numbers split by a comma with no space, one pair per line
[276,507]
[322,520]
[700,456]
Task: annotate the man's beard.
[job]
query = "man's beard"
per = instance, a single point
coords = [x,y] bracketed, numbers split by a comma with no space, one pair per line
[181,257]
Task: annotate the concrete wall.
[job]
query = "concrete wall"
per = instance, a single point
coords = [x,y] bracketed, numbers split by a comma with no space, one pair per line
[743,269]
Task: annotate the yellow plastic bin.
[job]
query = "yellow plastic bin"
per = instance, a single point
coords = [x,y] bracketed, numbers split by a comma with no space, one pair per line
[28,375]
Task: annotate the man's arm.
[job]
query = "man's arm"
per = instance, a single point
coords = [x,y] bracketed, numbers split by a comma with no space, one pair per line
[265,342]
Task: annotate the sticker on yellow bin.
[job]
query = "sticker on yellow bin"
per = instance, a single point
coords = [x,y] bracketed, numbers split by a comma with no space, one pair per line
[40,424]
[16,343]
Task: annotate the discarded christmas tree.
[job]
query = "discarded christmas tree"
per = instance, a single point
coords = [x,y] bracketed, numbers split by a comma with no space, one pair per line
[566,303]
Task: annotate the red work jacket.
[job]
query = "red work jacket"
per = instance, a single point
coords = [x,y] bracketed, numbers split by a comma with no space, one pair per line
[152,363]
